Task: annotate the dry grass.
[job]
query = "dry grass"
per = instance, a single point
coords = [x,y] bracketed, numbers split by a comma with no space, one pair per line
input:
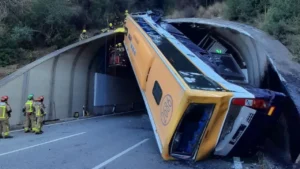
[4,71]
[186,12]
[34,55]
[30,57]
[214,11]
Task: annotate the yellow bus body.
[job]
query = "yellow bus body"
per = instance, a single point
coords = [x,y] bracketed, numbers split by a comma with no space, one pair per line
[149,66]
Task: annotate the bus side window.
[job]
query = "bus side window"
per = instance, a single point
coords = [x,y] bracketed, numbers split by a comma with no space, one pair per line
[157,92]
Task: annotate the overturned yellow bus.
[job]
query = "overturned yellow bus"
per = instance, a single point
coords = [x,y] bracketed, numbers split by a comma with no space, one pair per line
[194,110]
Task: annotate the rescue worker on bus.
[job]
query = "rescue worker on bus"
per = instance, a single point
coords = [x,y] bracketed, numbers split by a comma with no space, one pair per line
[5,114]
[121,48]
[29,113]
[110,26]
[121,51]
[124,19]
[39,113]
[83,35]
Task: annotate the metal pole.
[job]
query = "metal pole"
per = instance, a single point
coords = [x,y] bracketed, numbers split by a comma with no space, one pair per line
[105,55]
[54,110]
[83,111]
[114,109]
[104,94]
[115,70]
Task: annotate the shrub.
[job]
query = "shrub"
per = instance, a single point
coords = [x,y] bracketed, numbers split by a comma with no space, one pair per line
[22,36]
[283,22]
[10,56]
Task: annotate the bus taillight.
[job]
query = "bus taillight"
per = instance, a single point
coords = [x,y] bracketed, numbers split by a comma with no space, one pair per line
[253,103]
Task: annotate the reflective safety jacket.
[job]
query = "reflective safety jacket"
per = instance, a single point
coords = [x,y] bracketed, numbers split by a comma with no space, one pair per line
[39,109]
[4,110]
[29,107]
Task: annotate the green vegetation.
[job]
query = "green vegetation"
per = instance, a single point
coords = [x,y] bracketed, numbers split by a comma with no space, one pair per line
[280,18]
[28,25]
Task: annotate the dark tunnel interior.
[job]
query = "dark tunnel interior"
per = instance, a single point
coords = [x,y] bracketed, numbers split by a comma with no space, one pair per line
[103,62]
[120,80]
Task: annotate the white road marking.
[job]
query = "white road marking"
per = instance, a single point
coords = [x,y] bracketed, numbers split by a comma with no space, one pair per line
[25,148]
[237,164]
[120,154]
[13,131]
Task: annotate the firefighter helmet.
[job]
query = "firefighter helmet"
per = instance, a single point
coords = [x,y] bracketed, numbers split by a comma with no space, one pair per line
[4,98]
[40,99]
[83,31]
[30,97]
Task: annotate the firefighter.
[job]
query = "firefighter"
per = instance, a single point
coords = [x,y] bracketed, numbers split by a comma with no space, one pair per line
[5,113]
[39,114]
[121,51]
[29,113]
[124,19]
[83,35]
[111,26]
[121,48]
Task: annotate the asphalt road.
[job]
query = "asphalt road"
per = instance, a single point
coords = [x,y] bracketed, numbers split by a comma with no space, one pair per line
[115,142]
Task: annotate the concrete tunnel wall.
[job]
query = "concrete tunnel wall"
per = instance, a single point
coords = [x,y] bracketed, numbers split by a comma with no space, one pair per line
[65,78]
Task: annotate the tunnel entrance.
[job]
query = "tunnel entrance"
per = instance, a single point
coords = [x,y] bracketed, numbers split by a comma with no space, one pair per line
[115,87]
[283,135]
